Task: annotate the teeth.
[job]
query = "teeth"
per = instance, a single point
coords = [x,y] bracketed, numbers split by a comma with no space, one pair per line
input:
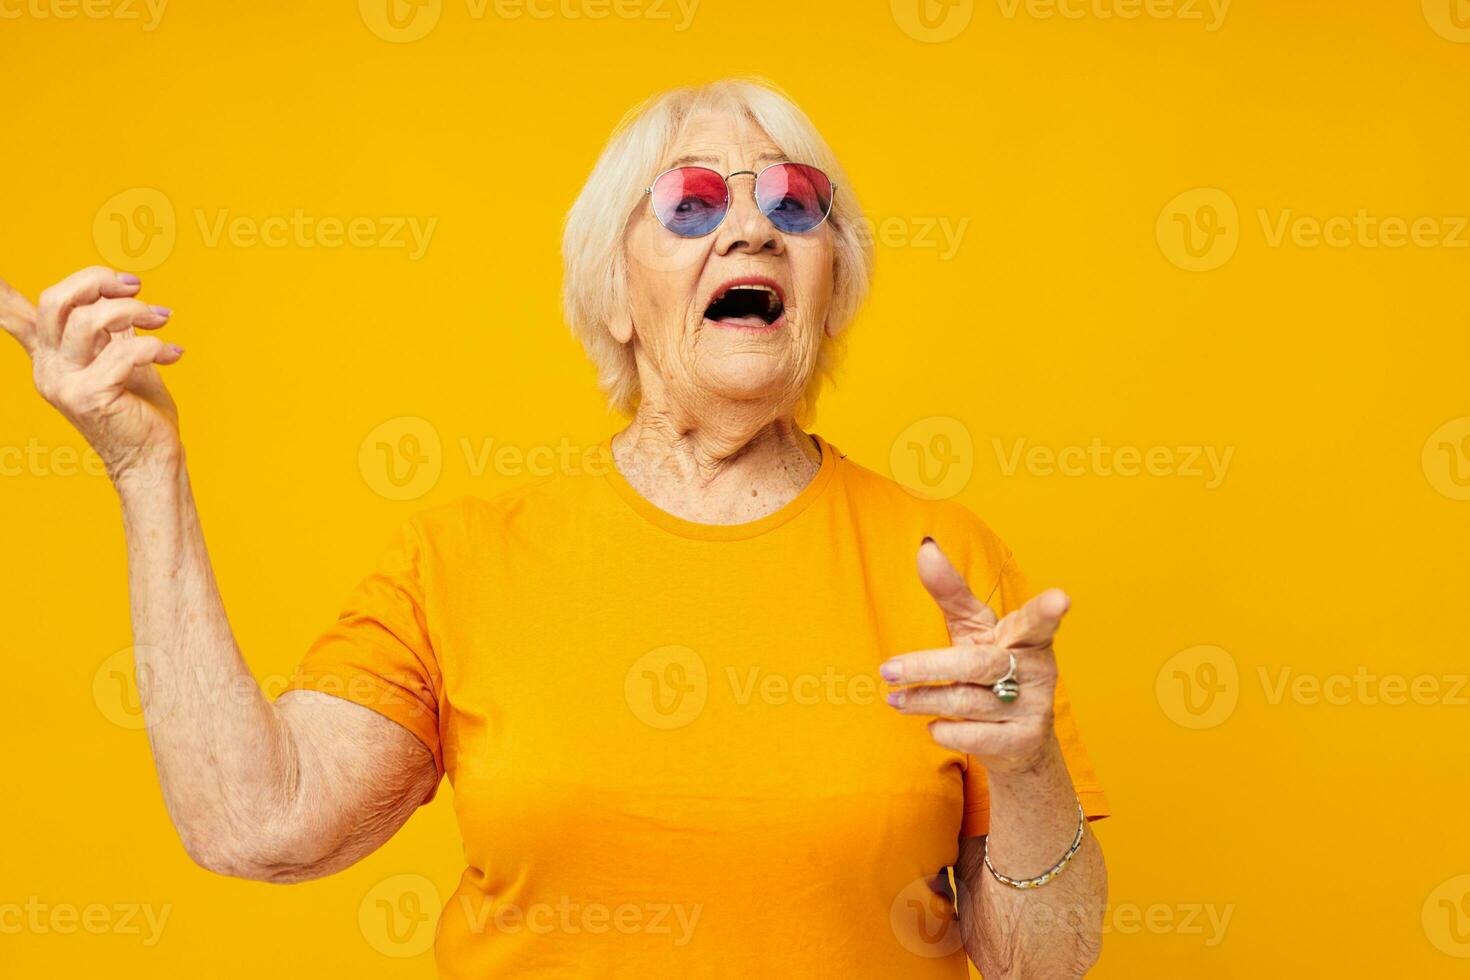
[773,298]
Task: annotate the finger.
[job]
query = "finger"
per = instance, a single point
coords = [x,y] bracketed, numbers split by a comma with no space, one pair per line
[78,289]
[88,324]
[1035,623]
[965,664]
[979,738]
[17,316]
[968,701]
[123,354]
[965,614]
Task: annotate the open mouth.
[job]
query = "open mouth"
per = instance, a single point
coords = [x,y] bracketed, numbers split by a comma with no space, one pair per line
[746,304]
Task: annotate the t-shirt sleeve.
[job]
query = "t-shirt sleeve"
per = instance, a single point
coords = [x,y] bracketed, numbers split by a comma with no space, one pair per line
[378,654]
[1009,592]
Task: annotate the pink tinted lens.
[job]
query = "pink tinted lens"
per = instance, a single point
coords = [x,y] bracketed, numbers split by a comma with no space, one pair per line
[690,201]
[794,196]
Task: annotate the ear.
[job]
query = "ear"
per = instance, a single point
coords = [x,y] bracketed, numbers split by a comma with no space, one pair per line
[621,327]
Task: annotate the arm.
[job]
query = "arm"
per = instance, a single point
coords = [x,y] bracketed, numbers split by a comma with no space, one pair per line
[278,791]
[275,792]
[1054,930]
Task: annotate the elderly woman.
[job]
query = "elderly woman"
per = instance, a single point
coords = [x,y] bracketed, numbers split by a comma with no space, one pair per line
[654,688]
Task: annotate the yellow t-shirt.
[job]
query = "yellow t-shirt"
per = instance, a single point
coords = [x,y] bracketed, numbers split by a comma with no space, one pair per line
[668,741]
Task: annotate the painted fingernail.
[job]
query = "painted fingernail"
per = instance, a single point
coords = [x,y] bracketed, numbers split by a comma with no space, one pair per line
[927,540]
[128,279]
[895,698]
[161,310]
[891,671]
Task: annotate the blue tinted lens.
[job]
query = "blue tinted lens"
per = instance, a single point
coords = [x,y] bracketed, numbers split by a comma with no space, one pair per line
[796,198]
[690,201]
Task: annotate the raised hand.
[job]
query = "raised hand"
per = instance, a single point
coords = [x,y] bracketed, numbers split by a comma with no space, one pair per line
[953,683]
[89,361]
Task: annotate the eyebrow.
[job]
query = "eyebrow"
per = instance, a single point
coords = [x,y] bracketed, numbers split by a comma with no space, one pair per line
[706,159]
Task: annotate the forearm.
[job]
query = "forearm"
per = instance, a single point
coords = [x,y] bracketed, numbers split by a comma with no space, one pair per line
[260,790]
[226,761]
[1052,931]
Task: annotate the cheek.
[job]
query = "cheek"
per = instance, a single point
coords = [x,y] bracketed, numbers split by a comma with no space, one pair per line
[813,278]
[663,272]
[662,268]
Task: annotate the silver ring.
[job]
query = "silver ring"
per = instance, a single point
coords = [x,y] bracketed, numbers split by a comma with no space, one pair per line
[1008,688]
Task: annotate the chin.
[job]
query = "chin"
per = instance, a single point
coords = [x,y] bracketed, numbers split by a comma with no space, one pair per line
[749,375]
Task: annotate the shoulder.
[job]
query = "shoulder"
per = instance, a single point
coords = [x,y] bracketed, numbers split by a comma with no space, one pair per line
[883,502]
[473,517]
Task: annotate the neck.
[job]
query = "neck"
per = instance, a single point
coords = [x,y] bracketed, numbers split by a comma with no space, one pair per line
[732,471]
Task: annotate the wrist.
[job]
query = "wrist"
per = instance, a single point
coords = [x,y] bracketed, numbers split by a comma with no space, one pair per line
[1033,815]
[142,472]
[1028,775]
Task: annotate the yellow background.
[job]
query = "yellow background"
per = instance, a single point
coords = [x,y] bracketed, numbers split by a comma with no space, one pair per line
[1070,153]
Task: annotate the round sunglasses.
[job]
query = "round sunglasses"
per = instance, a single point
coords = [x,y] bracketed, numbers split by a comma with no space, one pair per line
[691,202]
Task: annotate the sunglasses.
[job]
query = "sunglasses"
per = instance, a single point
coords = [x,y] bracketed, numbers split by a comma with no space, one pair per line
[693,201]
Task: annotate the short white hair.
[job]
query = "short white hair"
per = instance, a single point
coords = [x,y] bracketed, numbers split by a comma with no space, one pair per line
[595,278]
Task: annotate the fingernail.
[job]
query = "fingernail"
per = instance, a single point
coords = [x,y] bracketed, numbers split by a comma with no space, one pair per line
[895,698]
[128,279]
[927,540]
[176,348]
[891,671]
[161,310]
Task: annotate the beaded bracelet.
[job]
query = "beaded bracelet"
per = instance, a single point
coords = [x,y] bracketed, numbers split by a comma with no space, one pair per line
[1056,869]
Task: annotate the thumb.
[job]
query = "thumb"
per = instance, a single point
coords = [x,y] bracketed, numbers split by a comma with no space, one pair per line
[964,614]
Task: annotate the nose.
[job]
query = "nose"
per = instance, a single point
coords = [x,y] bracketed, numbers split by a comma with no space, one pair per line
[745,228]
